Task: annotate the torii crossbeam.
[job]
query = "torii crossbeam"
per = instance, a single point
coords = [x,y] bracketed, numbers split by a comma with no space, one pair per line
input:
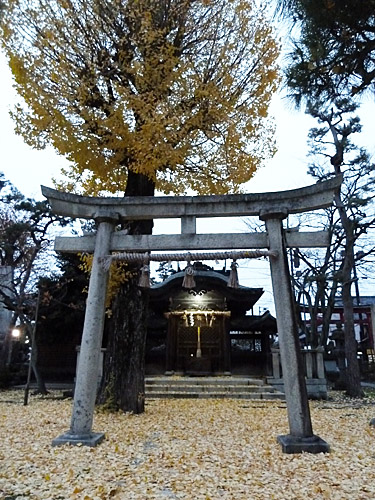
[269,207]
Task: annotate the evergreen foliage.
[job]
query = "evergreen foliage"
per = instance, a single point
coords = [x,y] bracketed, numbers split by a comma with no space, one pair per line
[334,48]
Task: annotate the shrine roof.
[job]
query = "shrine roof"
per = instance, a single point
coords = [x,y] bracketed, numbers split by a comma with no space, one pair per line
[242,297]
[264,322]
[364,301]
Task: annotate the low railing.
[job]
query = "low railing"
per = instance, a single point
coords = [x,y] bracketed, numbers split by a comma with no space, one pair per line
[313,363]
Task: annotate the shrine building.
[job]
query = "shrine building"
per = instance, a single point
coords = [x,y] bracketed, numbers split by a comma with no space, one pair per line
[209,329]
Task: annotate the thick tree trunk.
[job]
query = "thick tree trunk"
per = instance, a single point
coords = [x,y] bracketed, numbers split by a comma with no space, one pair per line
[353,375]
[122,386]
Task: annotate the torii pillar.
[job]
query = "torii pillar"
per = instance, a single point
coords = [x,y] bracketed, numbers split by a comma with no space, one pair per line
[301,437]
[80,431]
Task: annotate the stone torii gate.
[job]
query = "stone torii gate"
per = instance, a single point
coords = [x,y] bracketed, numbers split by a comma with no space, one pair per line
[271,208]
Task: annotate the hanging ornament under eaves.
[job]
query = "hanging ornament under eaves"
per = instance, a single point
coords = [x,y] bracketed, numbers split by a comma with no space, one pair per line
[189,281]
[144,279]
[185,319]
[233,276]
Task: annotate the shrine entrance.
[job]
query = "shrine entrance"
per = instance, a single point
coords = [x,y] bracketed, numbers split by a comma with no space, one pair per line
[199,348]
[271,208]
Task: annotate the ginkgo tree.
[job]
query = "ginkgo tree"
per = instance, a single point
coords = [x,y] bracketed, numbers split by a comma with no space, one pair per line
[144,94]
[176,90]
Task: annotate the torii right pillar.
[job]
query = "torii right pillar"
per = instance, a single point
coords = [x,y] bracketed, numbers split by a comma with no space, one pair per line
[301,437]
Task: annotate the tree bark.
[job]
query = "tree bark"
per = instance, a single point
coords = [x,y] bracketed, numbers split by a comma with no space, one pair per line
[122,386]
[353,375]
[327,315]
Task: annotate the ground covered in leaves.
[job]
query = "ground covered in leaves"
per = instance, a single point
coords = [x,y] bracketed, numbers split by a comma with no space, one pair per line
[186,449]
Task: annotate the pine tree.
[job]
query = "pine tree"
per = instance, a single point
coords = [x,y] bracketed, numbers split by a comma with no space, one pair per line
[334,47]
[352,216]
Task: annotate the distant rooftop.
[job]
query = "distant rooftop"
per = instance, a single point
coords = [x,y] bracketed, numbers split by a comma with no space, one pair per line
[364,300]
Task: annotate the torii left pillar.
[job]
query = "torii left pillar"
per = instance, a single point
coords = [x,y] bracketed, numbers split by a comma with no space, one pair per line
[80,431]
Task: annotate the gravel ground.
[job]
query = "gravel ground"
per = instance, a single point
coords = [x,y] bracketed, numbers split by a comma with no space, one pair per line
[186,449]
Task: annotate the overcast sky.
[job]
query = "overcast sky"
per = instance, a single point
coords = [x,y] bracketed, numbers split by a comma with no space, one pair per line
[27,169]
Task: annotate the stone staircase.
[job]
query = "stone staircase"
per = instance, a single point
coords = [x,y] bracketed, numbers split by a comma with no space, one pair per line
[210,387]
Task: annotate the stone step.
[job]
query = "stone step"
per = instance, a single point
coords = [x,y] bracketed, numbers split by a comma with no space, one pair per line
[216,395]
[207,388]
[210,387]
[218,381]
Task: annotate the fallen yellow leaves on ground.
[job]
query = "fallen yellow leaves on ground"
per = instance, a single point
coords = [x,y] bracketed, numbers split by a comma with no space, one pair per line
[185,449]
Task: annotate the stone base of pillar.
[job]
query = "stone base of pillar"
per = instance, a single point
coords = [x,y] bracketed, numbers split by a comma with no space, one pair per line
[92,439]
[296,444]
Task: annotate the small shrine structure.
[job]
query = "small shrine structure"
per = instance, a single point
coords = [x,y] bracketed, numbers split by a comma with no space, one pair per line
[205,330]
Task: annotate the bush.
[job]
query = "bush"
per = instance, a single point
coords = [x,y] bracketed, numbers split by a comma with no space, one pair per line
[5,378]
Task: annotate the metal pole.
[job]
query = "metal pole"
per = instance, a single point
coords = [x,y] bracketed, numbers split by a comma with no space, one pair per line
[32,334]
